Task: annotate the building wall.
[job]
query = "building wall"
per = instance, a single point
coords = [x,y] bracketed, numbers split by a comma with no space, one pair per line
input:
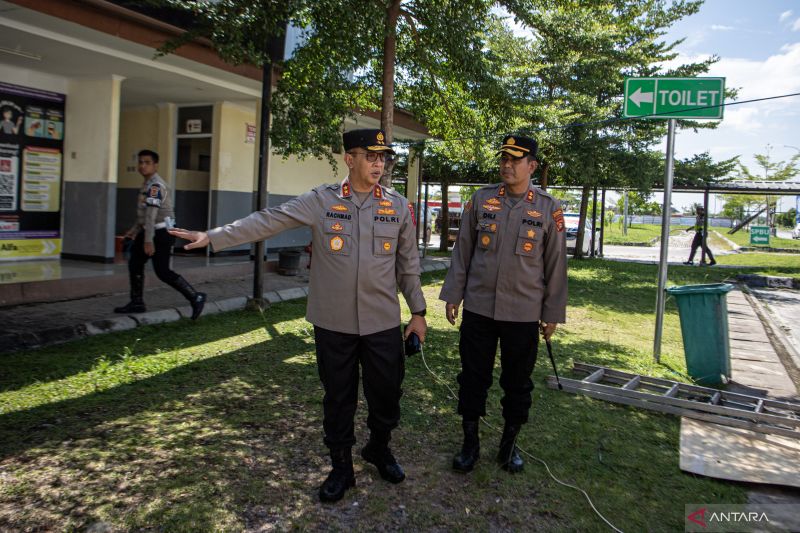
[139,130]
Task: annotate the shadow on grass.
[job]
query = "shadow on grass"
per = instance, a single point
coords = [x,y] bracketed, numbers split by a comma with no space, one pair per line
[59,362]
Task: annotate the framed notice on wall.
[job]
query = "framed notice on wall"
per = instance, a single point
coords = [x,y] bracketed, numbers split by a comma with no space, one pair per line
[31,157]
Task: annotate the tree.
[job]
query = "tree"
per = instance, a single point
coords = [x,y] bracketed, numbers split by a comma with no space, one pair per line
[701,170]
[638,203]
[424,55]
[770,171]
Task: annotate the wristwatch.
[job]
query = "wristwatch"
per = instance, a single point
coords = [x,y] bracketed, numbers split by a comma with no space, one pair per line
[420,313]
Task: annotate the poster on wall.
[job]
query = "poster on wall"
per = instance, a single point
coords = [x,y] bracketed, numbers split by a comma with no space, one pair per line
[31,164]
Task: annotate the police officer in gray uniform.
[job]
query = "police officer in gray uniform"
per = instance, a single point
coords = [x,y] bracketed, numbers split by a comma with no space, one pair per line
[150,239]
[509,267]
[364,248]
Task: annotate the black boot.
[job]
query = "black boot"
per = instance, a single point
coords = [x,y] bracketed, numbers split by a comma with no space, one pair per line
[136,305]
[378,453]
[341,477]
[470,450]
[196,299]
[508,456]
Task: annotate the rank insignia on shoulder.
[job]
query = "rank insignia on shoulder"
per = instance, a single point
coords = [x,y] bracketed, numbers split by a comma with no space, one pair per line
[339,207]
[501,191]
[558,218]
[485,240]
[345,189]
[337,227]
[377,192]
[387,212]
[534,214]
[529,197]
[493,201]
[490,207]
[411,210]
[385,203]
[337,243]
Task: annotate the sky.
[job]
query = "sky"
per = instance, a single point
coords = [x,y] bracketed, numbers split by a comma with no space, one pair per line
[758,43]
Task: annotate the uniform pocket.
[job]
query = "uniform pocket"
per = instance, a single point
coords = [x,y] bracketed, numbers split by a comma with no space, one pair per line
[527,240]
[384,241]
[337,236]
[487,235]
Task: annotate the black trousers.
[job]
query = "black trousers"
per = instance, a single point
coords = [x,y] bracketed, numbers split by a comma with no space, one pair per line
[697,242]
[163,243]
[519,345]
[383,363]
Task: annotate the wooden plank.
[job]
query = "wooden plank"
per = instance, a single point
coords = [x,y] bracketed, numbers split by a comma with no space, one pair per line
[672,391]
[572,386]
[646,400]
[760,406]
[715,399]
[595,376]
[633,383]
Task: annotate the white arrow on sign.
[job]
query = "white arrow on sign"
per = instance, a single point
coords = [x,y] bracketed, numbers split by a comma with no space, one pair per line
[638,97]
[48,247]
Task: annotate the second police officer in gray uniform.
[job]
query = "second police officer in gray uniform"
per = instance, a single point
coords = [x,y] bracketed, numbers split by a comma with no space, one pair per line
[150,239]
[364,248]
[509,267]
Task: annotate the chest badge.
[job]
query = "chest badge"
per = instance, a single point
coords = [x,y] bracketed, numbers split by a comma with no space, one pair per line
[490,207]
[485,240]
[385,203]
[387,246]
[337,243]
[528,247]
[531,234]
[387,212]
[534,214]
[337,227]
[339,207]
[493,201]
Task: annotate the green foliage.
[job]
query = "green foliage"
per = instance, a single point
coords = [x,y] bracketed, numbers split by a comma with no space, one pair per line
[639,204]
[787,219]
[701,169]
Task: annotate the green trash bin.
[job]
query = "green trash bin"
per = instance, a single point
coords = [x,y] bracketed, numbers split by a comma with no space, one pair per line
[703,310]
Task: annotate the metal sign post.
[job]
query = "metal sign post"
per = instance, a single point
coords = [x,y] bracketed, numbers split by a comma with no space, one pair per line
[665,218]
[671,98]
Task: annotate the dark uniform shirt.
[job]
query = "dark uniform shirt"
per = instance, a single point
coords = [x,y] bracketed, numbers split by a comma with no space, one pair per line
[361,254]
[510,259]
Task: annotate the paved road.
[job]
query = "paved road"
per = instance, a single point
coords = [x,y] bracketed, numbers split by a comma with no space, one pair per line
[783,306]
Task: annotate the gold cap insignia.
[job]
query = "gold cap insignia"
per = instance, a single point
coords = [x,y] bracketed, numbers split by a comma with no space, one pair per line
[511,141]
[379,137]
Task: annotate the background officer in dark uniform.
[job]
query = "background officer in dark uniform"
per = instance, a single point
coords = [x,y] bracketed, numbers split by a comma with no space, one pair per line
[364,248]
[509,266]
[150,239]
[697,242]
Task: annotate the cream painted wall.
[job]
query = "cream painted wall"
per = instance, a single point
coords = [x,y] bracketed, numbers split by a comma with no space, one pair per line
[166,148]
[34,79]
[292,176]
[91,134]
[138,131]
[232,159]
[191,180]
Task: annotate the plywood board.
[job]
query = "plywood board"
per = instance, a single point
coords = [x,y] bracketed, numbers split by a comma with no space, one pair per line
[738,454]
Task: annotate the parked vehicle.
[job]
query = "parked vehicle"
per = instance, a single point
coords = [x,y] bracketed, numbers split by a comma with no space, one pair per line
[571,221]
[796,232]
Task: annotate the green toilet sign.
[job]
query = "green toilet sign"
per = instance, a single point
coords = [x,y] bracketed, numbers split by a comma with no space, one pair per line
[692,98]
[759,235]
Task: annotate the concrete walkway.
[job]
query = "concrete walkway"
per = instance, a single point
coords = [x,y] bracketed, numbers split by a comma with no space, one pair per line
[40,324]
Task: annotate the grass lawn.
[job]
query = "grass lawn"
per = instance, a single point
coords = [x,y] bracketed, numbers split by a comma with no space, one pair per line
[638,233]
[216,426]
[742,238]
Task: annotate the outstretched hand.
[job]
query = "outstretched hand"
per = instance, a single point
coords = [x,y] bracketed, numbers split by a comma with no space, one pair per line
[198,239]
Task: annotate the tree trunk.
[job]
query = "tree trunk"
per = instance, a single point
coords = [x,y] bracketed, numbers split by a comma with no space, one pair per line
[444,214]
[387,98]
[543,181]
[582,222]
